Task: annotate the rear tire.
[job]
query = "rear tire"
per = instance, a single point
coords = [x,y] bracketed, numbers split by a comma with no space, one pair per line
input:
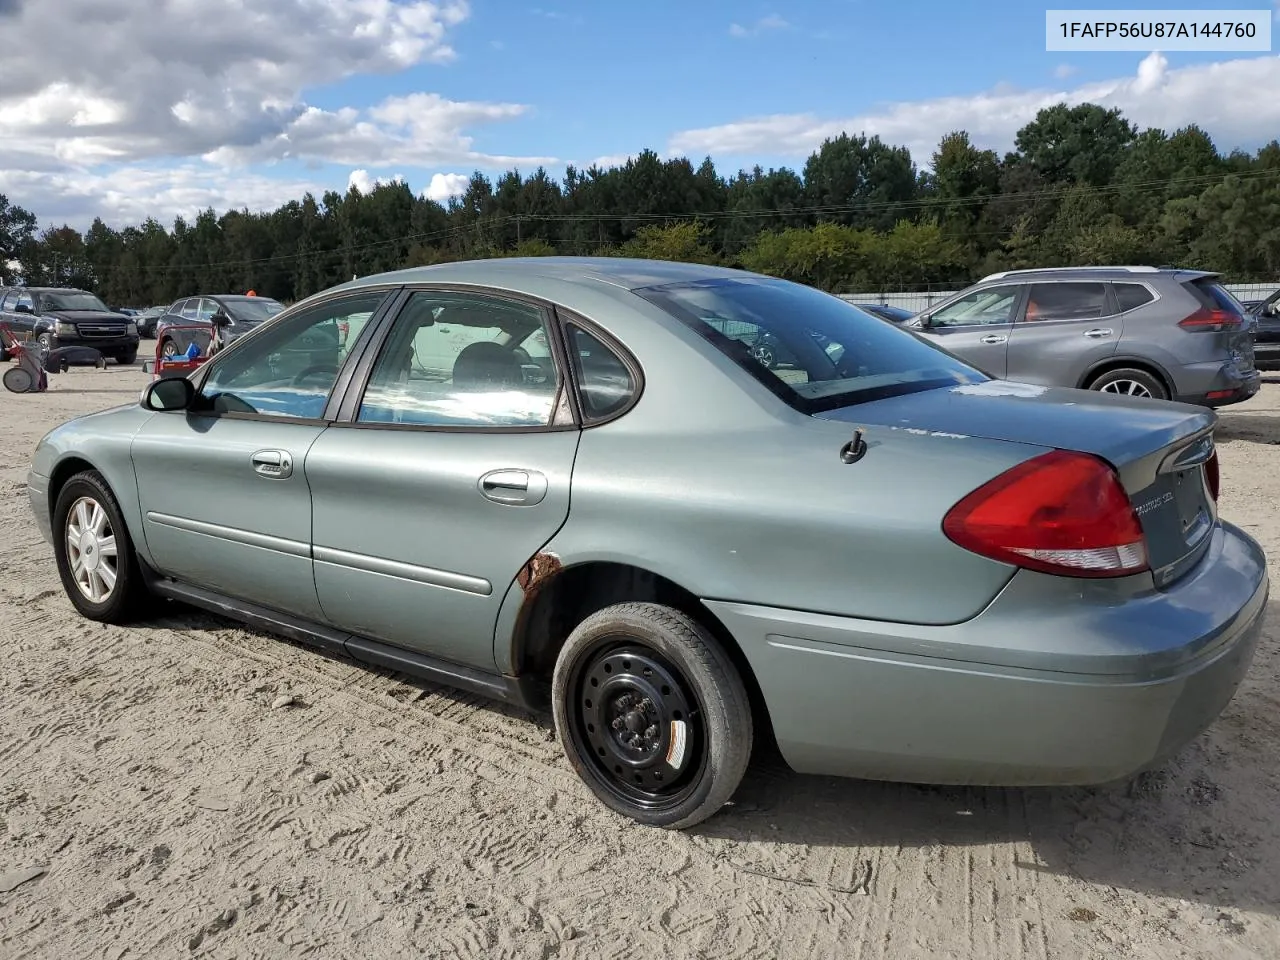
[96,560]
[652,714]
[1131,382]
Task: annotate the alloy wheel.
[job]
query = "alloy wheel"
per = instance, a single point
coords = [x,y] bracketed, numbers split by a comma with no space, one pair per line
[1130,388]
[91,550]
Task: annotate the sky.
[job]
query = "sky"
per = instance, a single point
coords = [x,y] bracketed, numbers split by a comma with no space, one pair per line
[124,109]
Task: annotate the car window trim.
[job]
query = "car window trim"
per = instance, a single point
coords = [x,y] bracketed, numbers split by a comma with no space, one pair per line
[1015,311]
[349,406]
[206,370]
[1108,294]
[1155,295]
[567,318]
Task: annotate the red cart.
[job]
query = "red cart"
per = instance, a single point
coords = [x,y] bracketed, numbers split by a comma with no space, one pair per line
[28,374]
[181,365]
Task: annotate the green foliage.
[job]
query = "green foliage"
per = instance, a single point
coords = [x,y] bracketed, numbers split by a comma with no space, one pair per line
[1083,186]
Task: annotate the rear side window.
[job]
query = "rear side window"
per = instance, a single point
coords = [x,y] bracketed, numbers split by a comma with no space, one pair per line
[605,384]
[1213,295]
[812,350]
[1067,301]
[1131,295]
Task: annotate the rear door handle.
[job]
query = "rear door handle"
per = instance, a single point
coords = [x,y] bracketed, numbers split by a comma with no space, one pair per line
[1098,333]
[273,464]
[993,338]
[517,488]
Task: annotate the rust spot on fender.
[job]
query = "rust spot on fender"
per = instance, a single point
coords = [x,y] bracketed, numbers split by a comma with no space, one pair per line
[541,568]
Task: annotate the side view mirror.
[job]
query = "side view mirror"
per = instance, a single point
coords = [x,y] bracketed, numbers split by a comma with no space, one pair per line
[220,319]
[171,393]
[925,319]
[23,308]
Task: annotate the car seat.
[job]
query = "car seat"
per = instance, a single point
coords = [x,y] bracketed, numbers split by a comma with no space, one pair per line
[486,365]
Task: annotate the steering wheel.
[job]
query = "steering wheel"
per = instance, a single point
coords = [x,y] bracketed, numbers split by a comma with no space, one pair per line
[312,370]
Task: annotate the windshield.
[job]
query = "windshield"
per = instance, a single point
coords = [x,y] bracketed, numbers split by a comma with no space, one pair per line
[813,350]
[254,309]
[73,301]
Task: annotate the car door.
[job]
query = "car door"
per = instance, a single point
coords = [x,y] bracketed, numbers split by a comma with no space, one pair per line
[976,326]
[20,313]
[224,498]
[452,472]
[1064,329]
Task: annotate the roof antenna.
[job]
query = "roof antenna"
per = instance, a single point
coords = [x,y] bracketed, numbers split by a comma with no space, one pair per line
[855,449]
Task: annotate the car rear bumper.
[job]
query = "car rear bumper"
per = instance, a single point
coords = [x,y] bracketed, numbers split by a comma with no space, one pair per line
[1031,692]
[1266,354]
[1216,385]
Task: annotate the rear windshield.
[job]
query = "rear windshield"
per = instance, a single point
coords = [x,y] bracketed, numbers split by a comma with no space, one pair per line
[1214,296]
[813,350]
[254,309]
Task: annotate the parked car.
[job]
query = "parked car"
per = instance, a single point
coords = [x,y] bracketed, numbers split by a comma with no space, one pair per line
[1143,331]
[67,317]
[147,320]
[243,312]
[905,569]
[887,312]
[1266,333]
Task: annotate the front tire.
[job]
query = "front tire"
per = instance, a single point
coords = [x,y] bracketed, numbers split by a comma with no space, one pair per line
[168,349]
[95,555]
[125,359]
[1131,382]
[652,714]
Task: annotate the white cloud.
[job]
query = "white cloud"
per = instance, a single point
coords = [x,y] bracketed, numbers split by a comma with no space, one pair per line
[361,180]
[1064,70]
[180,78]
[611,160]
[129,195]
[446,185]
[1234,100]
[421,129]
[771,22]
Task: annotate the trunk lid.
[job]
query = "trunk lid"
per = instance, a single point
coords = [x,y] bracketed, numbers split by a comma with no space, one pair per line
[1158,448]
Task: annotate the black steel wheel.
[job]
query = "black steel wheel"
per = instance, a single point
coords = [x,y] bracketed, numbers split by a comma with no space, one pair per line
[652,714]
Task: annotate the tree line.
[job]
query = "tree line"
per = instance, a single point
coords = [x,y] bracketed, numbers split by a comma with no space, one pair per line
[1083,185]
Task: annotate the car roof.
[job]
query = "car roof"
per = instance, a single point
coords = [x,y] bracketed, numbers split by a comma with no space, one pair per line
[517,272]
[1096,272]
[55,290]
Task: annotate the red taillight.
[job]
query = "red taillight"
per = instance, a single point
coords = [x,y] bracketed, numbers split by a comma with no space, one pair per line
[1205,320]
[1211,477]
[1063,513]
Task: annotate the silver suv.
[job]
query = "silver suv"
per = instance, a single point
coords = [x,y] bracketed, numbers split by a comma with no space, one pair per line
[1143,331]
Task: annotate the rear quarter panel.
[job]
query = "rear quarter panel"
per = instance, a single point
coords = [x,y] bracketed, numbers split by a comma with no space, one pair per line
[714,483]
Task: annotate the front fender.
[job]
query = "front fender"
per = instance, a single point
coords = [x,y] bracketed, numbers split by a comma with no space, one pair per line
[100,441]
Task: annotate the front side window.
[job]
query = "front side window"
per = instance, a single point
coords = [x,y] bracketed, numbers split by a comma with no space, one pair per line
[190,309]
[1067,301]
[288,371]
[986,306]
[206,310]
[25,300]
[822,353]
[463,360]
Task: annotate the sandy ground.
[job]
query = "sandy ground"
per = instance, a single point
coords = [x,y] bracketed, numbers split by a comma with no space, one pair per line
[178,814]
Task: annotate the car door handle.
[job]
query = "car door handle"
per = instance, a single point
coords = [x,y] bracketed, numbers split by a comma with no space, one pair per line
[272,464]
[993,338]
[520,488]
[1098,333]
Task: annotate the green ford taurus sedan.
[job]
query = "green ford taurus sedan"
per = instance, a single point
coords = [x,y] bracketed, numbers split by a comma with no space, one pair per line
[568,483]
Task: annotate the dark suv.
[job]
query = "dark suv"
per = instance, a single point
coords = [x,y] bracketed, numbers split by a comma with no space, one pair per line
[1141,331]
[66,317]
